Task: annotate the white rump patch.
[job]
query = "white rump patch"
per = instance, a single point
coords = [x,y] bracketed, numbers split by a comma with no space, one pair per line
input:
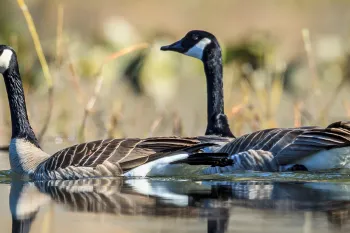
[338,158]
[197,50]
[157,166]
[5,59]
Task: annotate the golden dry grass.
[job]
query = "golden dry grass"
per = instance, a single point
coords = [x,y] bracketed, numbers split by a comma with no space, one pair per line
[75,43]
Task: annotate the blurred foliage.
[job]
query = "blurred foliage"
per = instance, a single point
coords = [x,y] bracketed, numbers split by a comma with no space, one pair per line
[132,72]
[266,83]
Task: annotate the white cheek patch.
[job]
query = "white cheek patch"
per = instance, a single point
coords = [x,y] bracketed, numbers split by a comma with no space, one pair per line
[5,59]
[197,50]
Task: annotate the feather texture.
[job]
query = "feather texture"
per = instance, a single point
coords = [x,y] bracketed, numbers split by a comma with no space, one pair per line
[113,157]
[273,149]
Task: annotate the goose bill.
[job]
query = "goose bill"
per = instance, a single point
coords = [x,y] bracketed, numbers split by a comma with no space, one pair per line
[177,47]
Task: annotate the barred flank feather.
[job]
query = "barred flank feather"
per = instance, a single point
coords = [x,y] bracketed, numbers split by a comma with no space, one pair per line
[113,157]
[268,149]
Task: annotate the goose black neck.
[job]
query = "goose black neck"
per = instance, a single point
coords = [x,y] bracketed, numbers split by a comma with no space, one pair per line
[20,124]
[217,120]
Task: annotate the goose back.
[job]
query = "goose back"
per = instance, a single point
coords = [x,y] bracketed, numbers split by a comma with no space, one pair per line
[113,157]
[291,144]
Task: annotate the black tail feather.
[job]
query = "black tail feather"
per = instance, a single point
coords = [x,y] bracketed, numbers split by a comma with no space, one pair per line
[197,147]
[212,159]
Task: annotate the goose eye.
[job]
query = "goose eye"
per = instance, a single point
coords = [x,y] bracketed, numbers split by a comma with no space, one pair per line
[194,37]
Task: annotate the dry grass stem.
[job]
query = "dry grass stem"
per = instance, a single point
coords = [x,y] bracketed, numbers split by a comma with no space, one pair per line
[236,109]
[59,32]
[75,79]
[310,58]
[256,122]
[297,114]
[36,41]
[42,59]
[155,125]
[48,114]
[124,51]
[177,125]
[90,106]
[91,103]
[276,95]
[113,124]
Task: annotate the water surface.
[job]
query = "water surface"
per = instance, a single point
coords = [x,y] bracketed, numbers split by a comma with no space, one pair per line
[240,202]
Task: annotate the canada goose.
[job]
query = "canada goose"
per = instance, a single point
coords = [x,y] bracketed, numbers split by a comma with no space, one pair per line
[282,149]
[304,148]
[111,157]
[204,46]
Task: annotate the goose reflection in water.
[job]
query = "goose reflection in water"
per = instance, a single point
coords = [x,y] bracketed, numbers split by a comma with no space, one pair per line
[211,200]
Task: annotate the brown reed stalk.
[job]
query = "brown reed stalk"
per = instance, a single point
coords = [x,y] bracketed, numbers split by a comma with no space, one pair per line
[155,125]
[177,125]
[297,114]
[74,78]
[44,66]
[113,123]
[47,119]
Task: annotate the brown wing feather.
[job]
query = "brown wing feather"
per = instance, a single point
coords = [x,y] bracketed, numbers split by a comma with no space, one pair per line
[262,140]
[290,144]
[127,153]
[314,140]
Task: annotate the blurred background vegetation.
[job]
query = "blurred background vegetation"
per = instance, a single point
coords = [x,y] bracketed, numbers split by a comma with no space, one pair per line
[286,64]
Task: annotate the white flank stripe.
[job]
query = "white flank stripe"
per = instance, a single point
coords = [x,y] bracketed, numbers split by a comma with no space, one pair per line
[327,159]
[158,164]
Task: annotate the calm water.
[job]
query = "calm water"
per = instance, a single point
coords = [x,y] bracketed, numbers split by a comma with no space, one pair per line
[241,202]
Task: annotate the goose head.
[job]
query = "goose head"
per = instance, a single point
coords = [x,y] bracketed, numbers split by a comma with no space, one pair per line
[198,44]
[7,56]
[205,47]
